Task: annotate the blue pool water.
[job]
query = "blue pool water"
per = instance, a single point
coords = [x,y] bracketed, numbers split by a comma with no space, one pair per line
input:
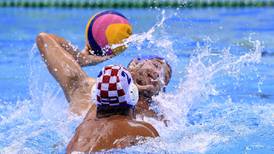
[220,99]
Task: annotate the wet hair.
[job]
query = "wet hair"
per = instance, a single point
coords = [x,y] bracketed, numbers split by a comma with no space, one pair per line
[107,111]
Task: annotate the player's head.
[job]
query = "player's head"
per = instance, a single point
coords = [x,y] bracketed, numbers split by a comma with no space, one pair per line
[150,73]
[114,91]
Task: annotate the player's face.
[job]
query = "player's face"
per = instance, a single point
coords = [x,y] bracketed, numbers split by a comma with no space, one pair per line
[151,74]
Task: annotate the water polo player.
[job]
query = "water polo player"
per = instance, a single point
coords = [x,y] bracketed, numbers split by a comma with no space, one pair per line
[64,63]
[101,117]
[112,124]
[77,86]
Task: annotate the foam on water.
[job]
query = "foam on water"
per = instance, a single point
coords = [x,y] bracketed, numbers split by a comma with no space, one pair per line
[197,122]
[152,41]
[42,124]
[217,122]
[211,123]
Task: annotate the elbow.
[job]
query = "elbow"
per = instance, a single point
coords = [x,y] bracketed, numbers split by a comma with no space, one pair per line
[40,37]
[41,40]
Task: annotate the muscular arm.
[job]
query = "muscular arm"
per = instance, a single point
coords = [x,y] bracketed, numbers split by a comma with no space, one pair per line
[82,58]
[69,74]
[60,64]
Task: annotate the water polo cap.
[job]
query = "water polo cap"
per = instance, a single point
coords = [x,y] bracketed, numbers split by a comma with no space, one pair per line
[105,29]
[115,87]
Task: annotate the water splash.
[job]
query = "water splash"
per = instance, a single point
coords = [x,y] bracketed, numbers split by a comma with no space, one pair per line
[40,124]
[151,39]
[138,39]
[43,122]
[197,123]
[203,67]
[218,122]
[214,123]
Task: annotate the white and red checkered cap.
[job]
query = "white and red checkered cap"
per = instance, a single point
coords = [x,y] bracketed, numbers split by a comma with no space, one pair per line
[114,87]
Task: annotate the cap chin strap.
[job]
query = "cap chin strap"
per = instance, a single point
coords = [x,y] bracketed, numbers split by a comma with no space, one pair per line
[133,94]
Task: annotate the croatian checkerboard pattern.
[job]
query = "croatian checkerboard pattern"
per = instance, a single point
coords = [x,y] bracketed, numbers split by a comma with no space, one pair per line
[112,86]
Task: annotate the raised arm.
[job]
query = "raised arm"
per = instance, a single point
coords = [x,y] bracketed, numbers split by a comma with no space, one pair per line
[60,64]
[82,58]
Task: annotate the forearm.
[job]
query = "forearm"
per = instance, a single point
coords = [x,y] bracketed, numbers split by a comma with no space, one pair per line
[60,63]
[67,46]
[82,58]
[88,60]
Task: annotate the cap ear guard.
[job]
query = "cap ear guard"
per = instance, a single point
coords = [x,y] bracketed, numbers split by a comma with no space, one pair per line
[133,94]
[93,93]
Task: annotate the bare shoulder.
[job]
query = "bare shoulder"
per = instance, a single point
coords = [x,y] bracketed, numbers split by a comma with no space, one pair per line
[133,132]
[142,128]
[115,132]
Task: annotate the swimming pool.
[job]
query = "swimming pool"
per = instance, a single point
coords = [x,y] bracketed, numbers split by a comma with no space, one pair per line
[220,99]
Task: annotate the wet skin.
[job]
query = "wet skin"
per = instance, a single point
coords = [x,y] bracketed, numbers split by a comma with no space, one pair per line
[117,131]
[65,66]
[64,62]
[66,71]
